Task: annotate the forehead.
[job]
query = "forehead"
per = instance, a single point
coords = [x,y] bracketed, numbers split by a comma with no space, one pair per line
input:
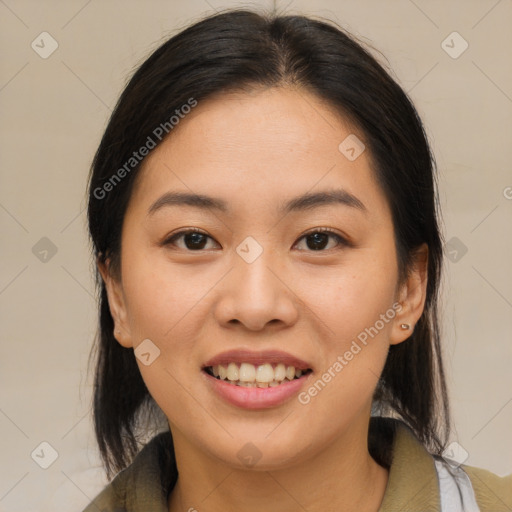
[263,122]
[258,146]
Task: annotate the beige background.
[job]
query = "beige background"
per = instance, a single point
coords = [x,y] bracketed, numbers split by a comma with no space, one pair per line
[53,113]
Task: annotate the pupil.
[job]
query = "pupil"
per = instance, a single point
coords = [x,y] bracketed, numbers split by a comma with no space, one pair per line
[318,238]
[195,238]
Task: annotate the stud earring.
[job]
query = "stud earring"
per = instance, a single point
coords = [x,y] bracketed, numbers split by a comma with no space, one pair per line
[405,326]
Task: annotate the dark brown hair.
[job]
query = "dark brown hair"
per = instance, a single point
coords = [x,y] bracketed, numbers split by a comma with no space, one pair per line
[239,50]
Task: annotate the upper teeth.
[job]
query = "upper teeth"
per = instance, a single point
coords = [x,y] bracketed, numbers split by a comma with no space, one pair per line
[263,373]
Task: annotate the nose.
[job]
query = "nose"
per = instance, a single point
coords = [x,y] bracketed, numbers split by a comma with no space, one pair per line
[257,295]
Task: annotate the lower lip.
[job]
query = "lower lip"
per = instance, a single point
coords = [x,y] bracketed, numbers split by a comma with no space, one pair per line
[256,398]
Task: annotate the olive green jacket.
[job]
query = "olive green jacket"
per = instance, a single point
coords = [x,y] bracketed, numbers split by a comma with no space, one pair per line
[418,481]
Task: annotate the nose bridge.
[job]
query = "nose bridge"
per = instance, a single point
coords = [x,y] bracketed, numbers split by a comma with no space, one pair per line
[254,275]
[254,294]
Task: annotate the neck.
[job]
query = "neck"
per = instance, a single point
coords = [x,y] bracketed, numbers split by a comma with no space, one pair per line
[343,477]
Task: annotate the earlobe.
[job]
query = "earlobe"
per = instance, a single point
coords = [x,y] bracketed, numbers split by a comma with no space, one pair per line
[412,296]
[116,304]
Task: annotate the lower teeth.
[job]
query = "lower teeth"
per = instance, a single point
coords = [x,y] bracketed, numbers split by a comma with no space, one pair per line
[256,384]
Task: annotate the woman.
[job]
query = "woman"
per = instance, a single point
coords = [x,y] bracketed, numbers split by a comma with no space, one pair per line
[263,213]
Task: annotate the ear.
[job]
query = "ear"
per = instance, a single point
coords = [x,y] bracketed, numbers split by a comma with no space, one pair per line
[411,296]
[117,304]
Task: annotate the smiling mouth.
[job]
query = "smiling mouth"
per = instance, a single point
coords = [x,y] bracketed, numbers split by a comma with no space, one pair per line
[256,376]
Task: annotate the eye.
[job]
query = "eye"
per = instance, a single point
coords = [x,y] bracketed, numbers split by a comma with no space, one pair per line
[196,240]
[318,239]
[193,239]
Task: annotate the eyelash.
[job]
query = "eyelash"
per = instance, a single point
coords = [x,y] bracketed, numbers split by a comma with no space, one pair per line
[340,240]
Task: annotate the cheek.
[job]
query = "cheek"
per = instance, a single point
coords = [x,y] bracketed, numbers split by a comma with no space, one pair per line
[159,298]
[352,297]
[356,307]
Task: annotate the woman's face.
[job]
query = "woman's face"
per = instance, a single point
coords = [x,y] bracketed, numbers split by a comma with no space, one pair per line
[261,287]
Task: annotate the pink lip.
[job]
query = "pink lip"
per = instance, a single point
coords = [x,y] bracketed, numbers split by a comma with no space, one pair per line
[255,398]
[257,358]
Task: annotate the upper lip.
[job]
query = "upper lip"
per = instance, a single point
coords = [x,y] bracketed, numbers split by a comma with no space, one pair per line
[257,358]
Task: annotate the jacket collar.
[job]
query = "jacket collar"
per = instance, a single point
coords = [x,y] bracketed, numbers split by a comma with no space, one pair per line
[412,483]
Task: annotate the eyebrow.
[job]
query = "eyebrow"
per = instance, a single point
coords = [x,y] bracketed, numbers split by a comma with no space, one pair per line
[304,202]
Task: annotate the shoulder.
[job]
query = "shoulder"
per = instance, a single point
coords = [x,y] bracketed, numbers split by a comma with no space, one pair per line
[493,492]
[471,489]
[108,500]
[421,481]
[143,485]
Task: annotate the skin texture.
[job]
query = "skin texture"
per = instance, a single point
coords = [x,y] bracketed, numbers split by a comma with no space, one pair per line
[256,150]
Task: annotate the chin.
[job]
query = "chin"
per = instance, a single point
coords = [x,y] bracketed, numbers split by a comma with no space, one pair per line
[258,453]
